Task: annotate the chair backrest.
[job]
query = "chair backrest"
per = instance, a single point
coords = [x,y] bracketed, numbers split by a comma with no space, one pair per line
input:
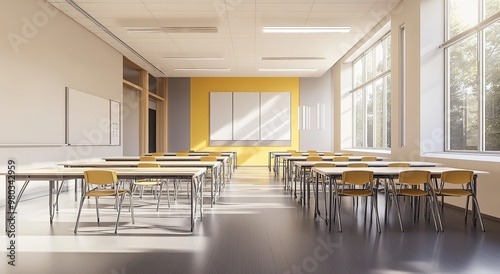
[100,177]
[296,154]
[414,177]
[311,150]
[340,159]
[148,165]
[357,177]
[208,158]
[324,165]
[457,176]
[313,154]
[401,164]
[182,154]
[314,158]
[357,165]
[329,153]
[157,154]
[368,158]
[215,153]
[291,150]
[346,154]
[147,158]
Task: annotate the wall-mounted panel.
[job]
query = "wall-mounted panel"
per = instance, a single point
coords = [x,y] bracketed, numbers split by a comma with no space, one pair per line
[275,116]
[221,116]
[246,111]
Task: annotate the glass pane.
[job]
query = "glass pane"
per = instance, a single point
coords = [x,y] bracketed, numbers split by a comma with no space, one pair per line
[491,7]
[358,118]
[379,58]
[492,88]
[463,97]
[379,113]
[358,73]
[463,15]
[388,52]
[369,65]
[369,115]
[387,84]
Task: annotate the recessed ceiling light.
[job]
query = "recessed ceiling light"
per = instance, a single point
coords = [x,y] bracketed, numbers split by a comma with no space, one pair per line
[193,58]
[286,69]
[304,29]
[145,29]
[202,69]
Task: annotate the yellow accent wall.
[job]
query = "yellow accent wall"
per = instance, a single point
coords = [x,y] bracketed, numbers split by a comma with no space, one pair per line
[200,121]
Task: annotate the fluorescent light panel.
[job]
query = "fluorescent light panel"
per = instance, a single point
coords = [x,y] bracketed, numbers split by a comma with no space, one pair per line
[295,58]
[193,58]
[201,69]
[305,29]
[286,69]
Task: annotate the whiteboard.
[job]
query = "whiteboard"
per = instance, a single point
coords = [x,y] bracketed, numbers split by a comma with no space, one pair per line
[221,116]
[246,122]
[87,119]
[275,116]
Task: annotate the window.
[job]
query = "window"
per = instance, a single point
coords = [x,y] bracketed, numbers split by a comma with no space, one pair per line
[371,97]
[473,76]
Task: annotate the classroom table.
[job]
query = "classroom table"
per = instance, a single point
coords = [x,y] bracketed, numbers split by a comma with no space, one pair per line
[390,173]
[213,167]
[195,175]
[231,154]
[226,170]
[289,160]
[303,167]
[276,155]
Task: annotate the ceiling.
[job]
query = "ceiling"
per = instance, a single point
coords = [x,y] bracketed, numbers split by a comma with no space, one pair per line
[238,48]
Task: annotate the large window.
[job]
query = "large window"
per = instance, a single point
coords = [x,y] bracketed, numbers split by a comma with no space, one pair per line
[473,75]
[371,97]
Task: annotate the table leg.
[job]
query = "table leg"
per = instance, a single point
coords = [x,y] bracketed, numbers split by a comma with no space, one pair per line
[51,204]
[192,209]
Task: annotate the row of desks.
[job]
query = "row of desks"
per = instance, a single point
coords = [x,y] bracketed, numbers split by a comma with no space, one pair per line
[188,168]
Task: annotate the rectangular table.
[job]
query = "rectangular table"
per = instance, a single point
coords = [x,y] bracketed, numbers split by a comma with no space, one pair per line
[61,174]
[231,154]
[391,173]
[226,171]
[214,168]
[302,167]
[276,155]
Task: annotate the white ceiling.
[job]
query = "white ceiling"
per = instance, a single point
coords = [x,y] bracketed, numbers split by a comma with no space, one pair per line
[239,43]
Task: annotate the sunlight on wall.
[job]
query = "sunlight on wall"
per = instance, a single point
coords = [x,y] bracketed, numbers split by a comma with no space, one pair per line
[200,121]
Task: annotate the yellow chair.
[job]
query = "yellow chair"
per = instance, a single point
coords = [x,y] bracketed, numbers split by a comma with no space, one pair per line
[329,154]
[313,154]
[147,158]
[291,150]
[340,159]
[151,183]
[314,158]
[187,151]
[103,183]
[357,165]
[215,153]
[368,158]
[311,151]
[157,154]
[182,154]
[398,164]
[465,179]
[356,183]
[295,154]
[419,186]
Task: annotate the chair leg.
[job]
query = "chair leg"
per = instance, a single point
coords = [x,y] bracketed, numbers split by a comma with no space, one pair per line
[478,213]
[131,207]
[399,213]
[375,207]
[78,216]
[159,197]
[466,208]
[168,193]
[97,208]
[119,211]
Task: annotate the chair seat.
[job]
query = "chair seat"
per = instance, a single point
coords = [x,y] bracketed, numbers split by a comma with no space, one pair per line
[105,192]
[356,192]
[412,192]
[453,192]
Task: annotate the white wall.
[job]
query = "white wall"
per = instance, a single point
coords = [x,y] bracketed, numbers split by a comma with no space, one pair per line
[44,52]
[424,99]
[313,91]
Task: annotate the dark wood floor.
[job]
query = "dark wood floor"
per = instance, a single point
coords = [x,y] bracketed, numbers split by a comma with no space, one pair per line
[255,227]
